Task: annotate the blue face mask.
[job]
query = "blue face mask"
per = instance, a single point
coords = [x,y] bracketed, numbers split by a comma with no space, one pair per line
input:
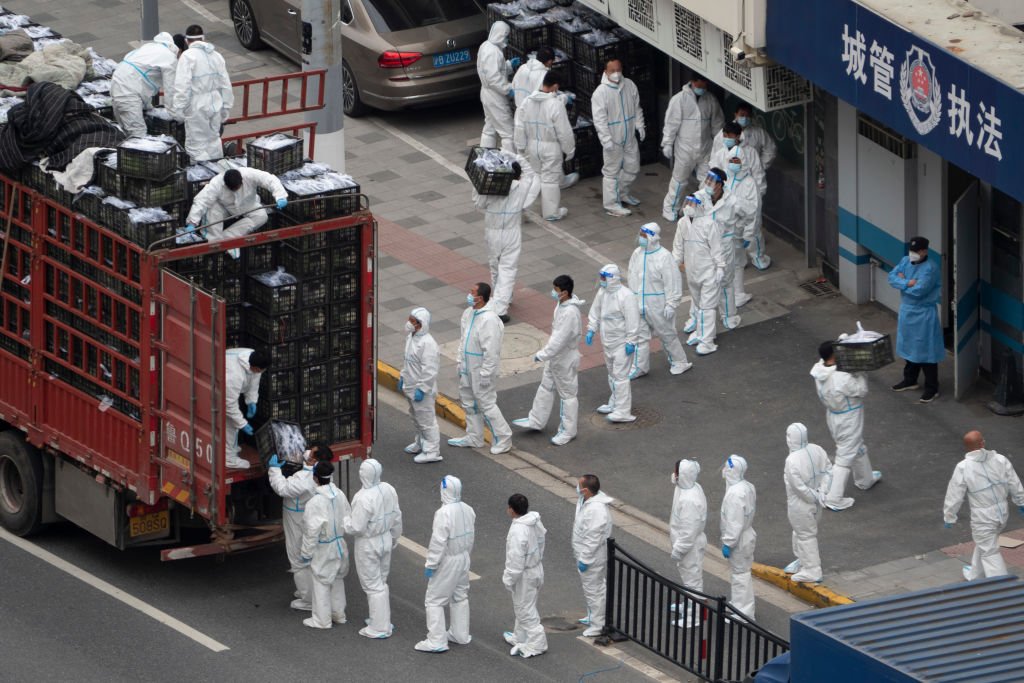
[744,121]
[734,168]
[642,241]
[699,91]
[729,142]
[602,283]
[554,295]
[470,300]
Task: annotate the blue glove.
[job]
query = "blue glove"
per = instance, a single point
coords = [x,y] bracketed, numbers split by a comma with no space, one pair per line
[401,383]
[571,97]
[948,525]
[536,359]
[274,462]
[281,203]
[247,429]
[515,62]
[1020,509]
[512,92]
[250,410]
[590,337]
[746,244]
[630,349]
[428,572]
[418,396]
[305,560]
[725,551]
[582,567]
[190,227]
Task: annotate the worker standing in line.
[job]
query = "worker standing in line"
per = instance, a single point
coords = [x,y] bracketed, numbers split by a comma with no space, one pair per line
[543,134]
[755,136]
[418,382]
[243,369]
[324,548]
[738,535]
[618,121]
[686,535]
[524,576]
[143,73]
[697,250]
[202,96]
[495,89]
[919,333]
[615,315]
[691,121]
[808,476]
[591,529]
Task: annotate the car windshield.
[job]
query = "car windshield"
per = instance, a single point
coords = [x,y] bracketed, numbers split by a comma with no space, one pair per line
[399,15]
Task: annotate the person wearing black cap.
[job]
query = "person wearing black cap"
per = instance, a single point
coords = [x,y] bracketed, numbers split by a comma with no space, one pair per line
[919,333]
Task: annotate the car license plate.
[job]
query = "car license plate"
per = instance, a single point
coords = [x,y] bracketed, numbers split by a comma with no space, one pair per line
[153,523]
[450,58]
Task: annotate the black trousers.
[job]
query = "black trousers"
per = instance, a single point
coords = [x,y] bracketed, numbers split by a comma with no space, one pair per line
[931,374]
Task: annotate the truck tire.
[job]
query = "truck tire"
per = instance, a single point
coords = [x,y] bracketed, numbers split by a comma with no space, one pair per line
[21,485]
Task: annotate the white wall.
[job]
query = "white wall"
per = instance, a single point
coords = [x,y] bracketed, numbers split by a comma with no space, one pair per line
[931,212]
[1010,11]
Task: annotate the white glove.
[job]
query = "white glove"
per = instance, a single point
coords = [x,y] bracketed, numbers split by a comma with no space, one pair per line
[669,312]
[570,155]
[667,151]
[609,148]
[642,132]
[486,381]
[719,276]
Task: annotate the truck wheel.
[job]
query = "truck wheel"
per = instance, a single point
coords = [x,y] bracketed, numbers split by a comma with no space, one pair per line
[21,485]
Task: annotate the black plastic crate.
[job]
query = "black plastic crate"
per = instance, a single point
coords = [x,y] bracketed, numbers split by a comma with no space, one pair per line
[278,408]
[229,287]
[586,80]
[145,192]
[863,356]
[344,287]
[314,242]
[487,182]
[318,430]
[314,291]
[346,427]
[282,354]
[140,163]
[316,377]
[272,300]
[272,329]
[156,125]
[563,37]
[314,406]
[345,398]
[259,258]
[344,315]
[279,160]
[145,234]
[312,349]
[595,56]
[344,371]
[305,264]
[502,11]
[105,175]
[280,438]
[344,258]
[344,343]
[312,320]
[344,236]
[323,205]
[527,39]
[233,322]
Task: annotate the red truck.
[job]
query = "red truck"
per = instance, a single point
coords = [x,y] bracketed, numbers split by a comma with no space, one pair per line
[112,378]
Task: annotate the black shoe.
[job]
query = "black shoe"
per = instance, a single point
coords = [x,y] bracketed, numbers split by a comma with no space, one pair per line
[505,319]
[928,396]
[904,385]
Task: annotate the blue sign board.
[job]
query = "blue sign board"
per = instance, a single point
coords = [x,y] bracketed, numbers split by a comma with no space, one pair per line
[906,82]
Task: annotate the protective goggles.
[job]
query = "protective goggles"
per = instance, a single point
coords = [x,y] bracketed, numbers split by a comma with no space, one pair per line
[647,231]
[714,176]
[606,275]
[693,200]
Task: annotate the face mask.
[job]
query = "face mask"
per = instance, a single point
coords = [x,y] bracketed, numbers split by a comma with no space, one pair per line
[914,257]
[708,191]
[470,300]
[602,283]
[554,295]
[699,91]
[642,241]
[409,328]
[744,121]
[689,211]
[615,76]
[729,142]
[578,491]
[675,478]
[734,168]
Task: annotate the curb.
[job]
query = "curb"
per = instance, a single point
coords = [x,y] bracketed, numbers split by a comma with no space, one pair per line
[812,593]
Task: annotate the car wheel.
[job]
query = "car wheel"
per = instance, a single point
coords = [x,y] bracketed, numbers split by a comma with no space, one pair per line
[21,485]
[246,30]
[353,104]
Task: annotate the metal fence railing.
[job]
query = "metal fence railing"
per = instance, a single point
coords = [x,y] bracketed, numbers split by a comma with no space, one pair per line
[701,633]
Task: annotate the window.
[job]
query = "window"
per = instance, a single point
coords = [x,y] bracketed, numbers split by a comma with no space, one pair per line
[346,12]
[400,15]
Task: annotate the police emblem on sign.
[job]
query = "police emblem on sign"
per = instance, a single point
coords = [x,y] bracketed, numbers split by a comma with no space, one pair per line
[920,91]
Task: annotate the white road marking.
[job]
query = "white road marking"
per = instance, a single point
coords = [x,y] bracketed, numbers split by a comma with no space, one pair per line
[203,12]
[629,660]
[114,592]
[422,552]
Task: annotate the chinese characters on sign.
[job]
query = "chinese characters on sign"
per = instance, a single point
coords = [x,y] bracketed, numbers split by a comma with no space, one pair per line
[921,93]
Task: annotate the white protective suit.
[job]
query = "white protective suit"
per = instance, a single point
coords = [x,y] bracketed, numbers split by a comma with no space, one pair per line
[843,394]
[203,96]
[493,70]
[523,577]
[451,542]
[543,134]
[690,125]
[655,279]
[479,362]
[987,479]
[808,475]
[698,246]
[503,231]
[686,525]
[239,381]
[528,79]
[142,73]
[756,137]
[751,226]
[295,492]
[216,201]
[738,533]
[618,119]
[720,155]
[561,356]
[591,530]
[745,202]
[615,316]
[376,526]
[323,543]
[419,371]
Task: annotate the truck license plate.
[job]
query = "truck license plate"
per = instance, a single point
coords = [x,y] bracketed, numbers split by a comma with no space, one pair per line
[450,58]
[153,523]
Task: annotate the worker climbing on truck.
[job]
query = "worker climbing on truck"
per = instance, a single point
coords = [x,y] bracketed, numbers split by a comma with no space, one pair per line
[242,373]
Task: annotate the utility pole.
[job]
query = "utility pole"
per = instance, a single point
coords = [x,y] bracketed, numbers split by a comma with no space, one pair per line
[321,49]
[150,19]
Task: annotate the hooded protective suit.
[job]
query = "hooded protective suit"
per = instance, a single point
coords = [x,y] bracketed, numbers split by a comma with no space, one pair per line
[658,284]
[543,133]
[503,231]
[591,529]
[686,525]
[561,356]
[376,525]
[987,479]
[142,73]
[523,577]
[843,394]
[808,476]
[698,246]
[239,381]
[618,119]
[738,533]
[295,491]
[203,96]
[751,233]
[217,201]
[419,371]
[493,70]
[615,316]
[745,204]
[479,362]
[451,542]
[323,543]
[528,79]
[690,125]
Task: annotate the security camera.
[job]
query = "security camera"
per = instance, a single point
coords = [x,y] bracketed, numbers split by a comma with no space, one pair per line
[737,52]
